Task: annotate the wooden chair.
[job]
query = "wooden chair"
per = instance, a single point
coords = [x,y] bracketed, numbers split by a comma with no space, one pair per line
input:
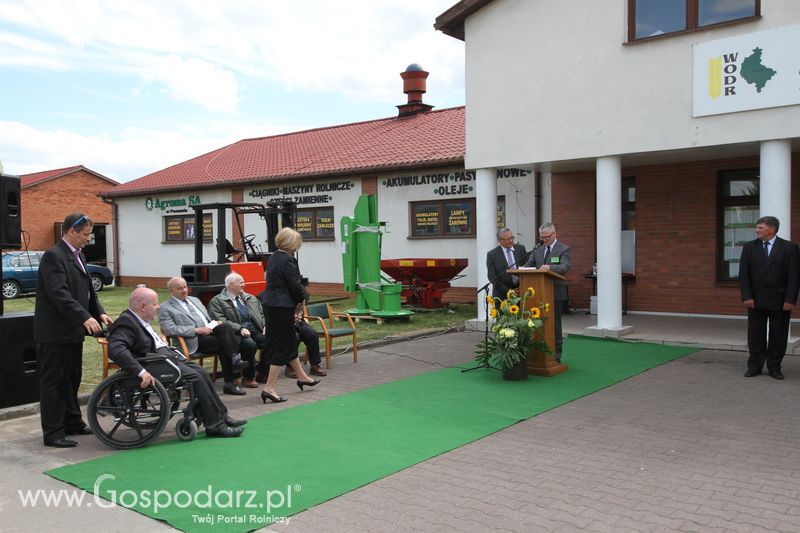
[107,364]
[197,356]
[324,315]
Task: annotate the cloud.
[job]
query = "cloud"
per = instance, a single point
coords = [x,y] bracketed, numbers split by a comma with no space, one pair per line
[132,153]
[195,81]
[352,47]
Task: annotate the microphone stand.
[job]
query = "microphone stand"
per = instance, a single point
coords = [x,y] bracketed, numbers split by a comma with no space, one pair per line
[486,312]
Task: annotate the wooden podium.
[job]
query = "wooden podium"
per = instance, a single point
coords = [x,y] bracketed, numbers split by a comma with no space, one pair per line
[539,363]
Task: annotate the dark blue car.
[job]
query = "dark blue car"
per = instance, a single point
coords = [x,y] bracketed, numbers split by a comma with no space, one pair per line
[20,271]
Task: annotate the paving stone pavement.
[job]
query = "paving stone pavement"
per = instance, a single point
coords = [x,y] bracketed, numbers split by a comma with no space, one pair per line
[688,446]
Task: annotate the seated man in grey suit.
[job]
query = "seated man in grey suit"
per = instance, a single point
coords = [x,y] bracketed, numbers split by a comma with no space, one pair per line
[554,256]
[186,316]
[131,337]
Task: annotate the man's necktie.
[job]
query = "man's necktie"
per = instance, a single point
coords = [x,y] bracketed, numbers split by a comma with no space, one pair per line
[546,256]
[159,343]
[244,314]
[195,314]
[510,257]
[766,249]
[77,255]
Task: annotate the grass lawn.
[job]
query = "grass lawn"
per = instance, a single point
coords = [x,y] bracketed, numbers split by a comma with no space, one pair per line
[115,300]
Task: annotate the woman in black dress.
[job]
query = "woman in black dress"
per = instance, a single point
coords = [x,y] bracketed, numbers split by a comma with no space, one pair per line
[283,294]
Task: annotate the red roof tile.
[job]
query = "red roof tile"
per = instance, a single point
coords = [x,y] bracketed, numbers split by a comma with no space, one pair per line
[28,180]
[428,139]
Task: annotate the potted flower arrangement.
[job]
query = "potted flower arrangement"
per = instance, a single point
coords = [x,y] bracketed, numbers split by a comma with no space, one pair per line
[515,332]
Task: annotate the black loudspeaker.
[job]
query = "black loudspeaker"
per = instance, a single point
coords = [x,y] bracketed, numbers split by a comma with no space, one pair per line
[10,213]
[19,378]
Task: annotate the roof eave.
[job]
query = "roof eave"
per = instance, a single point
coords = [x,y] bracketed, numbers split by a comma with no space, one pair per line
[110,194]
[451,22]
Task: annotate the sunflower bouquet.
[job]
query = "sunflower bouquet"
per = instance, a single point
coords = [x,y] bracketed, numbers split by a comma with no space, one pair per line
[515,332]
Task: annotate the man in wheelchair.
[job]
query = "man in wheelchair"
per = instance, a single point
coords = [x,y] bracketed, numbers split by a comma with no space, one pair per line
[131,337]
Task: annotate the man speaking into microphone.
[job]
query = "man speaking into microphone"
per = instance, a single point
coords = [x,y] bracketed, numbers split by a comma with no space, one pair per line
[506,255]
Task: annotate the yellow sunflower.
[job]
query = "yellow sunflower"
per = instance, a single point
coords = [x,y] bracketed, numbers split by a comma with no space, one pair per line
[547,307]
[493,312]
[531,292]
[535,312]
[510,293]
[490,300]
[514,309]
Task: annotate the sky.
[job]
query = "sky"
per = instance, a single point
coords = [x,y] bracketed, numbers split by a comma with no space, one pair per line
[127,88]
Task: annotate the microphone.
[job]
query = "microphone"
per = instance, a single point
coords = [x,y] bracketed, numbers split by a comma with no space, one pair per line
[539,244]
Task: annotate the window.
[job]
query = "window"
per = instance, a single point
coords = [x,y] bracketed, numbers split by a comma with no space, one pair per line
[650,18]
[316,224]
[444,218]
[628,204]
[180,229]
[628,209]
[501,212]
[738,191]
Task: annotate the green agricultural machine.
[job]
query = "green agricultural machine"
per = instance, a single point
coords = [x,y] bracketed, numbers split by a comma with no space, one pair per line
[361,262]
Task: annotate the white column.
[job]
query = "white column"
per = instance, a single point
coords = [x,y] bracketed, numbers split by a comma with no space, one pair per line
[776,183]
[609,243]
[547,200]
[486,227]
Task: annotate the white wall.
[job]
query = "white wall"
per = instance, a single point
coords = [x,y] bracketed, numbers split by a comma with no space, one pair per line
[393,207]
[141,234]
[320,261]
[551,81]
[142,252]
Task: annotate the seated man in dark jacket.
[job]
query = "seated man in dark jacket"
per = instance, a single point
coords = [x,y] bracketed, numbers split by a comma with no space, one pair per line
[131,336]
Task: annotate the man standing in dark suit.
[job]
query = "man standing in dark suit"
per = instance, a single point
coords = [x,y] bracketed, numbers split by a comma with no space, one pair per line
[768,279]
[506,255]
[553,256]
[66,309]
[131,336]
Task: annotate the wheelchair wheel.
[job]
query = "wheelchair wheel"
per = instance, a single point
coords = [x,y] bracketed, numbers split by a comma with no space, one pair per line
[124,416]
[186,428]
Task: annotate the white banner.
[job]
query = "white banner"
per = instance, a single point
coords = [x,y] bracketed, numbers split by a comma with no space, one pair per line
[753,71]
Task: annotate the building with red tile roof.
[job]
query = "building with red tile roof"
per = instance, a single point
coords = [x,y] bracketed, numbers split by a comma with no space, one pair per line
[50,195]
[413,163]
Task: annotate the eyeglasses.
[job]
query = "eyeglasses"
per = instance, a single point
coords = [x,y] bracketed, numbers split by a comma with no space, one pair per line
[542,236]
[508,239]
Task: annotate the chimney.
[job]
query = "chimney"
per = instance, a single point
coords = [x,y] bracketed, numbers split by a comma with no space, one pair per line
[414,86]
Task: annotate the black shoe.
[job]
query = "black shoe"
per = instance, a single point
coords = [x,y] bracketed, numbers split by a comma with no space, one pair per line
[224,431]
[273,399]
[751,373]
[234,389]
[85,430]
[238,363]
[302,384]
[63,442]
[232,422]
[776,374]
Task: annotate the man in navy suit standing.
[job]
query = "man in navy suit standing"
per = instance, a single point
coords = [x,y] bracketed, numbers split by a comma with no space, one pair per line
[66,309]
[769,282]
[506,255]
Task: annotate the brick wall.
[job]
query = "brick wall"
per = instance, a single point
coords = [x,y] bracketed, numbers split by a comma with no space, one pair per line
[676,235]
[49,202]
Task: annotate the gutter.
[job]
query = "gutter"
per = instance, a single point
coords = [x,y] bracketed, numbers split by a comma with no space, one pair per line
[115,234]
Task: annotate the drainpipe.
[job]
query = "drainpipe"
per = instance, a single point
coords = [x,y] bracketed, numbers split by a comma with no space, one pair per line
[115,234]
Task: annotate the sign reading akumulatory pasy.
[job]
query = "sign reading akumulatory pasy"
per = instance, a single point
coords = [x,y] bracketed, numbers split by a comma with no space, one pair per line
[752,71]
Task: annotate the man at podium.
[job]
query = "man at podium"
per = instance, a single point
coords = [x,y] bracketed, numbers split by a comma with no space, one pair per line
[554,256]
[506,255]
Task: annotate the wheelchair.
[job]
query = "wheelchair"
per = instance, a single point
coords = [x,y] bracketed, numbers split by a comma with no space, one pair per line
[125,416]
